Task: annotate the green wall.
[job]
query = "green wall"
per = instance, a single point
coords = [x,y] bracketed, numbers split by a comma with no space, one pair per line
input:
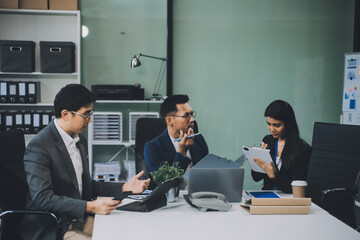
[233,57]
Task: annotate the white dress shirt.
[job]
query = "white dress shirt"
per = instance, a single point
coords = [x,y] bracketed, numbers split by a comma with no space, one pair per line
[74,153]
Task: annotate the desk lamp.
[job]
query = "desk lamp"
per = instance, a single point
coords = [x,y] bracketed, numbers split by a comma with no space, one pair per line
[135,62]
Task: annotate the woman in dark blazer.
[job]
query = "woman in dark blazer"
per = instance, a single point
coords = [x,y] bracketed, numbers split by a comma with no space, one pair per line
[289,152]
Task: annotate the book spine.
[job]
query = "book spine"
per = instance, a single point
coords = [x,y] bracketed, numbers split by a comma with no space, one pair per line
[279,210]
[281,202]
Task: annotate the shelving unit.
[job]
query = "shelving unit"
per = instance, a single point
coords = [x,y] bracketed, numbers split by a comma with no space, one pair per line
[42,25]
[125,144]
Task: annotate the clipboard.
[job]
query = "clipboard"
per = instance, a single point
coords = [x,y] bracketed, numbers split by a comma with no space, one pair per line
[261,153]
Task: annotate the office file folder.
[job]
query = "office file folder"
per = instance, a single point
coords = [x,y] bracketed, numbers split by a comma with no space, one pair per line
[22,92]
[27,122]
[3,92]
[36,122]
[19,121]
[13,92]
[45,118]
[33,92]
[9,120]
[2,120]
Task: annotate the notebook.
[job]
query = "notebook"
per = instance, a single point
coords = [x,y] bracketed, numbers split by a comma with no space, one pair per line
[227,181]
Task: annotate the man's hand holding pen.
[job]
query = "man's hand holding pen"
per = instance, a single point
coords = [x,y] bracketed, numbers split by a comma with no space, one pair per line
[186,143]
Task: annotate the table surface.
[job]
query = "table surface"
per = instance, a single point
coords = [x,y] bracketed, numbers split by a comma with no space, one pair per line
[180,221]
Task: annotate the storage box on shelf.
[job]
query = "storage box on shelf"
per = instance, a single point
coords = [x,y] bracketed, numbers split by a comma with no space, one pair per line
[9,4]
[33,4]
[57,57]
[17,56]
[63,4]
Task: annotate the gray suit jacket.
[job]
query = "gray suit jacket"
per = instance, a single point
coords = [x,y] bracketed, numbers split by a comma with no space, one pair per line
[53,185]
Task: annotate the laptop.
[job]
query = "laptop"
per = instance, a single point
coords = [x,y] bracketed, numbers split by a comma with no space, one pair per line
[214,161]
[227,181]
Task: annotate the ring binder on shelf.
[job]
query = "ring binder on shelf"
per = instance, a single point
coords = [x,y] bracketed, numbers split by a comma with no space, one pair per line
[9,120]
[3,92]
[36,122]
[27,122]
[22,92]
[2,120]
[33,92]
[13,92]
[19,121]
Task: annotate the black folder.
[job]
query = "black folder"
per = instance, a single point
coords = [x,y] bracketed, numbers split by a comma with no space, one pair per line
[3,92]
[9,120]
[36,121]
[13,92]
[155,200]
[33,92]
[22,92]
[27,122]
[19,121]
[2,120]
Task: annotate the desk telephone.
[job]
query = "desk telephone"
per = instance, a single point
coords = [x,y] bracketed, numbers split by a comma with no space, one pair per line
[208,200]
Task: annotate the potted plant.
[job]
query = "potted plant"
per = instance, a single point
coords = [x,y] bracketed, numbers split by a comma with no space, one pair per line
[166,172]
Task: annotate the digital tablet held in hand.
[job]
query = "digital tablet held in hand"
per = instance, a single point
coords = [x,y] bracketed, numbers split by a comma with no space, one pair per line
[122,195]
[261,153]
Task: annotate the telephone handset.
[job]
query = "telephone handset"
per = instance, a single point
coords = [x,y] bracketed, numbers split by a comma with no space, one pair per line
[208,200]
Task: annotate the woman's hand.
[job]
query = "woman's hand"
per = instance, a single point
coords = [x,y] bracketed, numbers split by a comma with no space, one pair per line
[268,168]
[263,145]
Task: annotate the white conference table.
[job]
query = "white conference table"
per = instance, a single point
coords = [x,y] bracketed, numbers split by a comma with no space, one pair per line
[179,221]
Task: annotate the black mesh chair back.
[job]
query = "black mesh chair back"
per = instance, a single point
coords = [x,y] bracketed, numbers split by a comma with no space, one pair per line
[14,187]
[146,129]
[333,169]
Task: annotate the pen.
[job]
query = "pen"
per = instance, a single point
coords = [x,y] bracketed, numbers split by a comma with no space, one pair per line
[193,135]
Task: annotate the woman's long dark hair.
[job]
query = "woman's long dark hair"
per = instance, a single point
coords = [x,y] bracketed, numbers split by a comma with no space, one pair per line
[281,110]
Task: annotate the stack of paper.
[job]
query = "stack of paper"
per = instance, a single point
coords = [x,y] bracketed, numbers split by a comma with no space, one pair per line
[278,205]
[108,172]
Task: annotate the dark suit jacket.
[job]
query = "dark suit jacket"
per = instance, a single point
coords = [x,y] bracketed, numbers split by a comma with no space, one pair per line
[284,177]
[53,185]
[161,149]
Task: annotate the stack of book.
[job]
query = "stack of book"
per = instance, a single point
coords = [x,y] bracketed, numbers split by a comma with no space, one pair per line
[278,205]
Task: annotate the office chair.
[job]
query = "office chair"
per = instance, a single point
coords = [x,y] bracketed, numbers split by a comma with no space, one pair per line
[13,187]
[146,129]
[333,175]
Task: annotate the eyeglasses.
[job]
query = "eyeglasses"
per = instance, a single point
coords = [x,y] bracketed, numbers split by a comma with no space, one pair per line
[187,115]
[86,116]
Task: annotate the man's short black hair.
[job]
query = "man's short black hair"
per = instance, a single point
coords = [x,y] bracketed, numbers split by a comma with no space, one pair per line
[169,104]
[72,97]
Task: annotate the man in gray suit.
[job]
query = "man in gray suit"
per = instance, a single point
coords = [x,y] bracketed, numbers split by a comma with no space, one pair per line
[57,171]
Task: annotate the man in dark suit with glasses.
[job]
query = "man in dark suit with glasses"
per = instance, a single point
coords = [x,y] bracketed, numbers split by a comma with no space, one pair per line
[176,143]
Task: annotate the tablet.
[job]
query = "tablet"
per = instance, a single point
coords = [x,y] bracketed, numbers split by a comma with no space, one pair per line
[122,195]
[261,153]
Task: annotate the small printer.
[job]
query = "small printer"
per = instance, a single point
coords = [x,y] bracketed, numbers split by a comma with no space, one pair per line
[118,92]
